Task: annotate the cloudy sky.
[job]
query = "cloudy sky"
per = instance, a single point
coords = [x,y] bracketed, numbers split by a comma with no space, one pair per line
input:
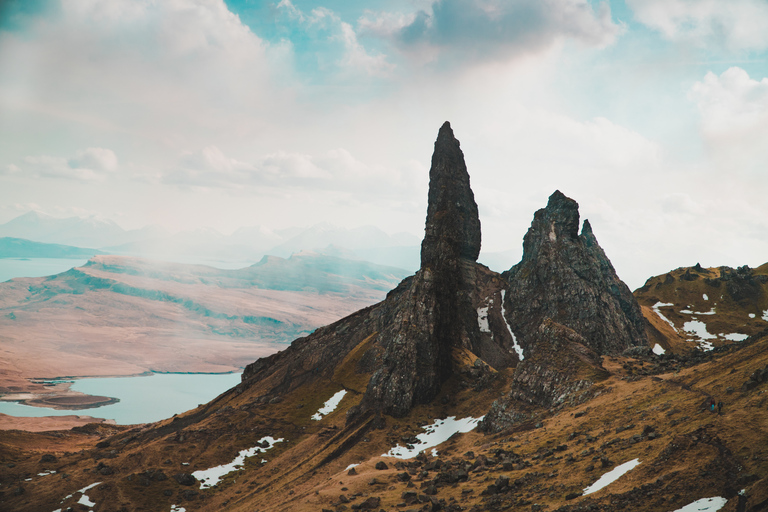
[652,114]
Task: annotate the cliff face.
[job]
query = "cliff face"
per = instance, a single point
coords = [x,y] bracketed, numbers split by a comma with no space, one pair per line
[435,314]
[567,277]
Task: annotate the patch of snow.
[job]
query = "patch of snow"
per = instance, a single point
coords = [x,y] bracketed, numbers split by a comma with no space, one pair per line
[517,347]
[655,309]
[705,297]
[689,312]
[46,473]
[611,476]
[87,488]
[434,452]
[704,505]
[85,500]
[735,336]
[765,315]
[330,405]
[174,508]
[27,479]
[482,319]
[211,477]
[351,466]
[699,329]
[751,315]
[185,463]
[435,434]
[658,349]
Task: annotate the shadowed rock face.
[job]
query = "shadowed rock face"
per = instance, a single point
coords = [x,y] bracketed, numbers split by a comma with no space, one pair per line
[453,225]
[436,313]
[567,277]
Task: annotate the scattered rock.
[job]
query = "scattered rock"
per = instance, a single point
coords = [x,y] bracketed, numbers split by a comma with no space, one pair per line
[185,479]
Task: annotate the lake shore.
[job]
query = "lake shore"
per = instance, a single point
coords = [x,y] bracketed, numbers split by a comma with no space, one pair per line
[47,423]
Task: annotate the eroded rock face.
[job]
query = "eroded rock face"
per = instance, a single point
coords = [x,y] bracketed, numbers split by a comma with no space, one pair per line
[436,313]
[567,277]
[567,307]
[453,224]
[559,370]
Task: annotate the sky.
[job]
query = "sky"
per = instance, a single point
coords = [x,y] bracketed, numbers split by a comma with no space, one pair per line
[652,114]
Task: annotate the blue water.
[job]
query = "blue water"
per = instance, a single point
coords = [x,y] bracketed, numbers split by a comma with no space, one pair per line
[142,399]
[36,267]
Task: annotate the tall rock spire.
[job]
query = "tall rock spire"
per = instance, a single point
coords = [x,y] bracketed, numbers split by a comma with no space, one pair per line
[453,226]
[434,313]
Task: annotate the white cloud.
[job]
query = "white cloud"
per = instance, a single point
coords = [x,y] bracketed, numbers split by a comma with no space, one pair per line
[92,164]
[336,171]
[468,30]
[327,28]
[734,119]
[737,24]
[95,159]
[162,71]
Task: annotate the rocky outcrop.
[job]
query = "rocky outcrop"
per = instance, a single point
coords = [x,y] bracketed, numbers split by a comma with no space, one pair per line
[567,277]
[563,301]
[410,337]
[567,307]
[436,313]
[559,370]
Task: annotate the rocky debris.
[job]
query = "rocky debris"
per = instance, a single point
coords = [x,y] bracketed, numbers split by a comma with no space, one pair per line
[741,283]
[184,479]
[567,277]
[758,377]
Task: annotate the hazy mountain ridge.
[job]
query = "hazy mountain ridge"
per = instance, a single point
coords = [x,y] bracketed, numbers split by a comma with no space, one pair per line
[21,248]
[208,246]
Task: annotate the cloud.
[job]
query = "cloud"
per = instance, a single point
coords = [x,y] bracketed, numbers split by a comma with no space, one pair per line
[92,164]
[162,71]
[336,171]
[736,24]
[734,118]
[493,29]
[334,42]
[96,159]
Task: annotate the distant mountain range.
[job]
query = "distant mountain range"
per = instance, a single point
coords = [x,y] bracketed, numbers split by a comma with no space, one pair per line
[207,246]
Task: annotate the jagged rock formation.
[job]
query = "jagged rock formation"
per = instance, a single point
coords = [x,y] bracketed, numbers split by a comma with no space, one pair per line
[568,278]
[410,338]
[567,307]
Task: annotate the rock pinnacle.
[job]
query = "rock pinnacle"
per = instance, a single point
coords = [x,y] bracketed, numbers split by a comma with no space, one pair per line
[453,226]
